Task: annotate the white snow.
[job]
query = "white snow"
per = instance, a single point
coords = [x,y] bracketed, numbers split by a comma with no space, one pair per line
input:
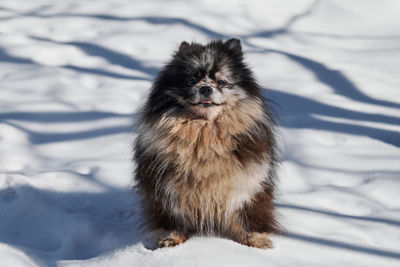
[73,73]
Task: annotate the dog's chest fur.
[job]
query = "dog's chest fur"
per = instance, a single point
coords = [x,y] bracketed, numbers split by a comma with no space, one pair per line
[210,182]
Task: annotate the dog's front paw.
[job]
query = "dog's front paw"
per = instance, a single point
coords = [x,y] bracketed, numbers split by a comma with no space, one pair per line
[172,239]
[257,240]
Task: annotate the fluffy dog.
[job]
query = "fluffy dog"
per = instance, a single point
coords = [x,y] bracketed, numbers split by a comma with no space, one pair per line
[206,152]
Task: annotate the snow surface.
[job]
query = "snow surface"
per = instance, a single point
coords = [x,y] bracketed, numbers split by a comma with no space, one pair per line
[73,74]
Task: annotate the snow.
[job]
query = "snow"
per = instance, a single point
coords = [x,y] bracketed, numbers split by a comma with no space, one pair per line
[73,74]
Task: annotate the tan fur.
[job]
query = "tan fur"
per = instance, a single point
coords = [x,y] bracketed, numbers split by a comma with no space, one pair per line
[212,184]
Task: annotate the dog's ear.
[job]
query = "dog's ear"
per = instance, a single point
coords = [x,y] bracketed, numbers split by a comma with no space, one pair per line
[184,46]
[234,44]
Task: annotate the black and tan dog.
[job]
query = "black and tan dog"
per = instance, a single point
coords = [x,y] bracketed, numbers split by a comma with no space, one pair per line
[206,152]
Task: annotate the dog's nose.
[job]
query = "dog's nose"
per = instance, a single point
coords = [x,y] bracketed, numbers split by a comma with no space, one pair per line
[205,91]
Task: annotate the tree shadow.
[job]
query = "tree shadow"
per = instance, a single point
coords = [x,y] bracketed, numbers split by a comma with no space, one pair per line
[109,55]
[353,36]
[332,78]
[344,245]
[44,137]
[6,57]
[61,116]
[335,79]
[299,112]
[338,215]
[106,73]
[285,29]
[51,226]
[149,19]
[39,138]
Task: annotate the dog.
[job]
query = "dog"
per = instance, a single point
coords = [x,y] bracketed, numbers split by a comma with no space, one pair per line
[206,150]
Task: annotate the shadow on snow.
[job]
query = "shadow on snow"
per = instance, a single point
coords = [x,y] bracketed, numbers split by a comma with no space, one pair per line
[68,225]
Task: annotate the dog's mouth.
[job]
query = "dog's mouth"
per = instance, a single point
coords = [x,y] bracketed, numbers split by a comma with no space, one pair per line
[206,103]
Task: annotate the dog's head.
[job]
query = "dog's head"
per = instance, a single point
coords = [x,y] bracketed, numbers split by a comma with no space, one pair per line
[204,80]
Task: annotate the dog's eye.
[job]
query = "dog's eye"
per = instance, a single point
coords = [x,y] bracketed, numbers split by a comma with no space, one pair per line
[221,83]
[191,81]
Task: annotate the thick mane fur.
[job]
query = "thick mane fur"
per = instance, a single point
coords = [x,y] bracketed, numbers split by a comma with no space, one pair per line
[222,159]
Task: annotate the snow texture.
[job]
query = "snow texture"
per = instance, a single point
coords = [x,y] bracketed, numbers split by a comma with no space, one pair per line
[73,74]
